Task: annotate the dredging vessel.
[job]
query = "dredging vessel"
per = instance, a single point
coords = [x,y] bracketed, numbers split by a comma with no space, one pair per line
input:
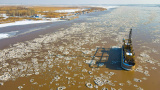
[128,55]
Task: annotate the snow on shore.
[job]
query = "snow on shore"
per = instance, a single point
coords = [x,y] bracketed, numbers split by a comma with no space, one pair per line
[28,22]
[69,10]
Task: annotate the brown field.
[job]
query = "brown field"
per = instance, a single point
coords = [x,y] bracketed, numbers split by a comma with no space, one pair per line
[17,13]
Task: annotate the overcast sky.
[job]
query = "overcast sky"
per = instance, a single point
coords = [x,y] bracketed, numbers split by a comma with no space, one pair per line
[36,2]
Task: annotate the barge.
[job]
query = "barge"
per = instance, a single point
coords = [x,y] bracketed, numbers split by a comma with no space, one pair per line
[128,55]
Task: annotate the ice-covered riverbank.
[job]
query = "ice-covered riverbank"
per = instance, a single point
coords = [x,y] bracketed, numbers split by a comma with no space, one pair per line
[25,22]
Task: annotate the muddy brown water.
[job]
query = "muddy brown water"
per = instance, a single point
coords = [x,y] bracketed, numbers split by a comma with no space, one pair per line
[61,57]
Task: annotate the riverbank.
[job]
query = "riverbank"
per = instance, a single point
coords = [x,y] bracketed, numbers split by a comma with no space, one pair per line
[10,14]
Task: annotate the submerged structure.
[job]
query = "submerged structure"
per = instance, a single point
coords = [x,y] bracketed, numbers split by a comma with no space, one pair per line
[128,56]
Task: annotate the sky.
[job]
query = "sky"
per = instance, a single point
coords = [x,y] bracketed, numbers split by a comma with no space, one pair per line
[50,2]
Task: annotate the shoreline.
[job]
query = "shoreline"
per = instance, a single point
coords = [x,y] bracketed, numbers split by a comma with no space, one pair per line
[47,20]
[78,9]
[42,13]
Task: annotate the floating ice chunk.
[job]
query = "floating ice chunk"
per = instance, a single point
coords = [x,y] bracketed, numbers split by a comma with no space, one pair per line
[146,73]
[95,86]
[156,41]
[135,85]
[29,74]
[68,78]
[144,78]
[5,76]
[75,75]
[69,67]
[89,85]
[56,78]
[1,83]
[113,88]
[111,73]
[50,66]
[61,88]
[139,88]
[67,58]
[129,82]
[35,83]
[90,61]
[66,52]
[14,69]
[121,84]
[57,84]
[36,73]
[104,88]
[79,86]
[61,48]
[99,81]
[84,70]
[5,64]
[120,89]
[81,77]
[31,80]
[67,62]
[101,64]
[155,51]
[139,69]
[144,55]
[154,68]
[35,60]
[90,72]
[59,56]
[22,75]
[20,87]
[137,80]
[87,52]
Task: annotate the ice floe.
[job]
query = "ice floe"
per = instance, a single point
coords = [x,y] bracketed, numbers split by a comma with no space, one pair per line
[89,85]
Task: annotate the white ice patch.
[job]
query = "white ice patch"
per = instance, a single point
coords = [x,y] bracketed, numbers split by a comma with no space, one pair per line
[4,36]
[69,10]
[7,34]
[107,7]
[4,15]
[28,22]
[110,7]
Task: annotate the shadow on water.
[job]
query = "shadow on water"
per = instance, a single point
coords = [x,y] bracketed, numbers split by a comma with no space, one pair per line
[107,58]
